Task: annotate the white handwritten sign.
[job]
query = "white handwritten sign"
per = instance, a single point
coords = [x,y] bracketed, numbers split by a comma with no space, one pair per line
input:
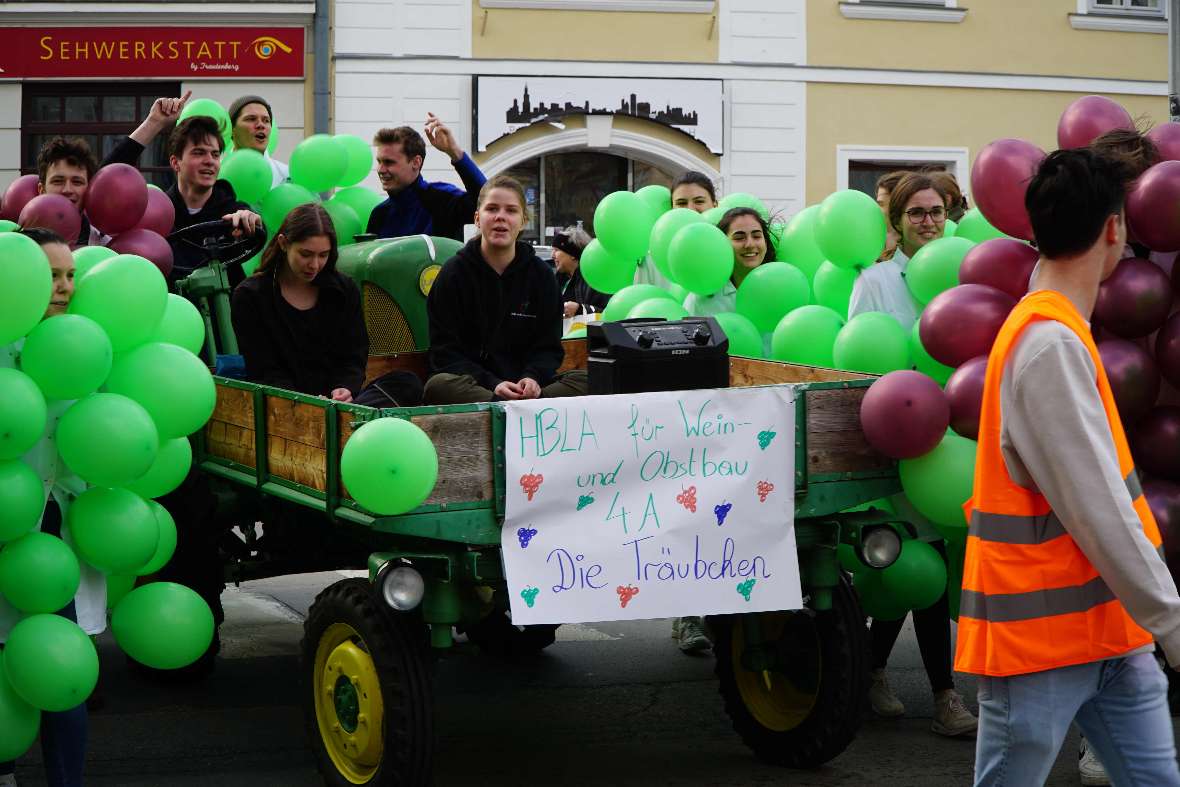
[651,505]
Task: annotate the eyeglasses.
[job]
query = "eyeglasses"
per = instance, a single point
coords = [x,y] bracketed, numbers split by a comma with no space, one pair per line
[918,215]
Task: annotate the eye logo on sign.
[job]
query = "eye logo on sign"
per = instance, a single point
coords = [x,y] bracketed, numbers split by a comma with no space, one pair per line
[266,46]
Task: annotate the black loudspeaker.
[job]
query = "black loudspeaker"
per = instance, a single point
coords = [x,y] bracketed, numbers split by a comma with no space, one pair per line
[636,356]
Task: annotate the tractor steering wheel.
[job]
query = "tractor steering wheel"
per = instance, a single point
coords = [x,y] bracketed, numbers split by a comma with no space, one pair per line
[215,240]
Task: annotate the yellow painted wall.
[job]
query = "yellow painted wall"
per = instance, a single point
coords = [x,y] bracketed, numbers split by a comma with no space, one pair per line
[937,117]
[592,35]
[997,36]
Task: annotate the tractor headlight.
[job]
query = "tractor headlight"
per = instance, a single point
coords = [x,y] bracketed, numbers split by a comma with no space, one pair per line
[879,546]
[401,586]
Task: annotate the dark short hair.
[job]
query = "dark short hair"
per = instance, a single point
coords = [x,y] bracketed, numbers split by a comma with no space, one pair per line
[410,140]
[695,178]
[193,131]
[733,213]
[1135,150]
[304,221]
[907,187]
[42,236]
[1071,196]
[74,151]
[502,182]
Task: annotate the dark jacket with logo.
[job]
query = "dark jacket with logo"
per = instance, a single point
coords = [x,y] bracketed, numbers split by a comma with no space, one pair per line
[312,352]
[439,208]
[495,327]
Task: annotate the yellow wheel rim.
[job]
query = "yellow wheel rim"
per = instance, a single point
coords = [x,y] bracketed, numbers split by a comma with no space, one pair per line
[770,697]
[348,705]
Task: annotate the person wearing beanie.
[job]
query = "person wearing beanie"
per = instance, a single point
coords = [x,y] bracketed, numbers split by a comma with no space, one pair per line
[251,123]
[577,297]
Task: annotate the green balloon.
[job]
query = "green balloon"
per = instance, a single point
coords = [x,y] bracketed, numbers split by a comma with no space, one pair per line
[280,201]
[318,162]
[251,265]
[882,503]
[797,244]
[621,303]
[974,227]
[604,270]
[87,257]
[664,230]
[850,229]
[701,258]
[39,573]
[742,200]
[171,383]
[22,418]
[118,586]
[19,721]
[28,284]
[623,223]
[939,372]
[713,215]
[918,578]
[22,499]
[113,530]
[940,482]
[807,336]
[666,308]
[872,342]
[677,292]
[935,267]
[770,291]
[68,356]
[361,200]
[167,543]
[658,198]
[948,228]
[163,625]
[344,221]
[8,226]
[273,142]
[168,472]
[875,601]
[249,173]
[389,466]
[126,295]
[744,337]
[833,287]
[210,108]
[848,559]
[107,439]
[181,325]
[50,662]
[359,156]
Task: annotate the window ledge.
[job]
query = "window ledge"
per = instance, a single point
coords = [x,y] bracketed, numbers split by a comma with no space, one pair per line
[668,6]
[902,12]
[1118,24]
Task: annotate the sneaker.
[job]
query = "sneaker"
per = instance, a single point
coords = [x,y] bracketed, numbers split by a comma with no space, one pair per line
[8,780]
[881,697]
[689,635]
[1090,768]
[951,717]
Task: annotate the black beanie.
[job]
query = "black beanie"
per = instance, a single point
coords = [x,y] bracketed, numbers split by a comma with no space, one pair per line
[240,103]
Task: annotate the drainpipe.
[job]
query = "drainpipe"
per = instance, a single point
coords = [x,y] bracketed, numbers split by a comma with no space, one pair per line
[1173,59]
[321,89]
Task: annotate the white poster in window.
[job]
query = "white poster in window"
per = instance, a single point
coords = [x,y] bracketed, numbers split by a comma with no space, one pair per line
[651,505]
[507,103]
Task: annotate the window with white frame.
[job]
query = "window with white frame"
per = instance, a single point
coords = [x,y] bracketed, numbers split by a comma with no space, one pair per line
[904,10]
[859,166]
[669,6]
[1146,8]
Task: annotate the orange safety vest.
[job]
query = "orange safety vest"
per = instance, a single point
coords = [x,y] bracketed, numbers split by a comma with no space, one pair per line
[1031,599]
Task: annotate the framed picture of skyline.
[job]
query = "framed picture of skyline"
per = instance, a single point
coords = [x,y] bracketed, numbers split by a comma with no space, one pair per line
[504,104]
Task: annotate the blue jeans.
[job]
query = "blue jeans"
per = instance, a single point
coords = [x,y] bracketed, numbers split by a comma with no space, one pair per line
[1120,705]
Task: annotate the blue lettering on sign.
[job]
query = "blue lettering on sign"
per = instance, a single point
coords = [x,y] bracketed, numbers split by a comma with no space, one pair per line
[698,568]
[572,575]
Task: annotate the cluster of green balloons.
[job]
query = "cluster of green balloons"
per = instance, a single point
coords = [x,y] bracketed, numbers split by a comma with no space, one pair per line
[389,466]
[916,580]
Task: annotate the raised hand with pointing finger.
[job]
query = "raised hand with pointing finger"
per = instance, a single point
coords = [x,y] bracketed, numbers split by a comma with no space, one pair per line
[441,137]
[163,113]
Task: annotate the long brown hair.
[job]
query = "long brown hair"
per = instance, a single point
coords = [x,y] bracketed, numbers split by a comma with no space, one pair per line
[303,222]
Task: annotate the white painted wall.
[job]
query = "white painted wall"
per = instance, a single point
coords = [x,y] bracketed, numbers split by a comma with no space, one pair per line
[406,28]
[285,97]
[763,31]
[766,144]
[10,108]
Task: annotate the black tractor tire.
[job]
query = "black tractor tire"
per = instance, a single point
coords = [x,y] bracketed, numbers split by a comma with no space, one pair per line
[373,723]
[807,709]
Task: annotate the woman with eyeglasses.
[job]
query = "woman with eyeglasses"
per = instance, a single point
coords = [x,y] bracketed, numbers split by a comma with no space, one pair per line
[917,212]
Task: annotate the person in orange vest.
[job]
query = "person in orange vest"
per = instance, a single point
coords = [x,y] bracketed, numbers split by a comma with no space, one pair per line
[1064,586]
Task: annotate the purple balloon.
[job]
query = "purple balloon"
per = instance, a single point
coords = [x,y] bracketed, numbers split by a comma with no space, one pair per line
[904,414]
[1166,137]
[1153,207]
[1163,497]
[1135,299]
[964,390]
[53,212]
[160,214]
[962,322]
[17,195]
[999,179]
[1134,378]
[1088,118]
[117,198]
[147,244]
[1003,263]
[1167,350]
[1155,443]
